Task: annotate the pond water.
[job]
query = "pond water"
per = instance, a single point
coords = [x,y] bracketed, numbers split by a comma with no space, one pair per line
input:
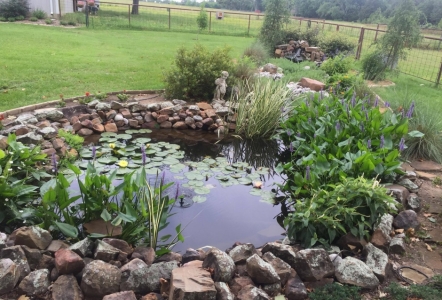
[228,213]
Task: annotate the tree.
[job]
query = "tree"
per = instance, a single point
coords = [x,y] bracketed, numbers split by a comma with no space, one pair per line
[202,20]
[403,32]
[135,6]
[276,16]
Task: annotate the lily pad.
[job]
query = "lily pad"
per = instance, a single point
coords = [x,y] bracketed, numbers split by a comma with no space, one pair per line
[83,165]
[177,167]
[123,136]
[144,131]
[255,192]
[151,151]
[245,181]
[142,140]
[179,177]
[153,171]
[132,131]
[123,171]
[222,177]
[237,175]
[108,134]
[194,176]
[107,160]
[196,183]
[262,170]
[209,161]
[199,199]
[202,190]
[140,161]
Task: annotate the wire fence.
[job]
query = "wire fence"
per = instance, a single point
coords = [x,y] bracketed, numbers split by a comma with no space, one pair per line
[423,61]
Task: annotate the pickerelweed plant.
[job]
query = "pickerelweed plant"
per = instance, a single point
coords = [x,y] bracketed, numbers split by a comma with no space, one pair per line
[329,140]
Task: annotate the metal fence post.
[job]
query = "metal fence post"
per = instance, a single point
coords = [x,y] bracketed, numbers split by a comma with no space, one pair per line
[169,17]
[439,74]
[248,27]
[376,36]
[361,40]
[128,10]
[210,21]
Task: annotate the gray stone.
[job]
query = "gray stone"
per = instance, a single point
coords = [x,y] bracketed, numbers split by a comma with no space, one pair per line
[251,292]
[313,264]
[176,108]
[12,129]
[272,289]
[166,104]
[191,281]
[48,132]
[335,259]
[93,103]
[397,246]
[56,245]
[241,253]
[117,105]
[282,268]
[179,102]
[121,245]
[66,288]
[105,252]
[260,271]
[191,255]
[36,283]
[146,254]
[376,260]
[118,117]
[100,279]
[413,202]
[406,219]
[284,252]
[134,264]
[194,109]
[222,111]
[26,118]
[399,192]
[154,106]
[221,263]
[103,106]
[33,237]
[238,283]
[53,115]
[9,275]
[410,185]
[18,256]
[355,272]
[137,107]
[147,279]
[295,288]
[197,118]
[83,248]
[30,138]
[381,235]
[127,295]
[223,291]
[33,256]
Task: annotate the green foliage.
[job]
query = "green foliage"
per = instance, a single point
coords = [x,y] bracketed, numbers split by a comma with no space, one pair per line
[336,42]
[331,139]
[11,19]
[257,53]
[3,19]
[362,90]
[100,96]
[259,111]
[123,97]
[277,15]
[373,66]
[335,291]
[430,291]
[341,82]
[39,14]
[64,23]
[203,19]
[33,19]
[353,205]
[20,171]
[403,33]
[195,71]
[311,35]
[295,71]
[340,64]
[20,18]
[245,69]
[48,21]
[73,140]
[72,23]
[14,8]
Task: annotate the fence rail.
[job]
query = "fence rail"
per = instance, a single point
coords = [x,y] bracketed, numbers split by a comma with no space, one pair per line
[423,61]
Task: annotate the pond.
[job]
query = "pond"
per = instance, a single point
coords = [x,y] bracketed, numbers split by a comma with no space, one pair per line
[229,211]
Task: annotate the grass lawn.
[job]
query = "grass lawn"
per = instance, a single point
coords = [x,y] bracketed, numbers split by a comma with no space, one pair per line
[39,63]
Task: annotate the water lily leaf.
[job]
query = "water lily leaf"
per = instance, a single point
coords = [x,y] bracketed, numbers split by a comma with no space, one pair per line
[255,192]
[267,197]
[240,165]
[194,176]
[226,183]
[215,170]
[151,151]
[178,155]
[237,175]
[199,199]
[133,166]
[83,165]
[86,154]
[171,161]
[142,140]
[179,177]
[107,160]
[108,134]
[222,177]
[196,183]
[253,176]
[262,170]
[132,131]
[123,136]
[153,171]
[172,146]
[245,181]
[177,167]
[157,159]
[162,154]
[221,159]
[156,164]
[209,161]
[186,185]
[229,168]
[140,161]
[123,171]
[131,148]
[144,131]
[202,190]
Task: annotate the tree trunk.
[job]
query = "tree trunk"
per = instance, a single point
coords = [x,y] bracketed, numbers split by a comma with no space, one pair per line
[135,7]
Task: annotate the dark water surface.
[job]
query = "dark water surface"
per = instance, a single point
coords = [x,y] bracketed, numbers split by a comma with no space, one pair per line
[231,213]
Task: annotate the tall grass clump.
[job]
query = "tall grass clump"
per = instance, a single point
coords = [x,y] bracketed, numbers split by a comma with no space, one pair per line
[257,53]
[39,14]
[259,111]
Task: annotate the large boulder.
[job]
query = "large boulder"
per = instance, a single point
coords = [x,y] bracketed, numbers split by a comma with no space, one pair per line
[313,264]
[295,288]
[83,248]
[66,288]
[223,291]
[221,263]
[353,271]
[282,268]
[376,260]
[192,282]
[9,275]
[18,256]
[241,253]
[100,279]
[68,262]
[406,219]
[312,84]
[260,271]
[284,252]
[35,283]
[251,292]
[381,235]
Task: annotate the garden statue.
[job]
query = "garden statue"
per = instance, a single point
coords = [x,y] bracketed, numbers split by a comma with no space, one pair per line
[221,86]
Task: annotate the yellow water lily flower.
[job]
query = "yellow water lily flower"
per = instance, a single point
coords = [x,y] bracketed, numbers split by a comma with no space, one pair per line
[112,145]
[123,163]
[147,146]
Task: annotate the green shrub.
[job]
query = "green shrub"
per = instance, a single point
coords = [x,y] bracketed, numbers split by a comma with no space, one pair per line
[257,53]
[341,82]
[259,111]
[73,140]
[335,291]
[336,43]
[39,14]
[48,21]
[3,19]
[311,35]
[33,19]
[72,23]
[194,72]
[430,291]
[340,64]
[203,19]
[123,97]
[295,71]
[77,17]
[14,8]
[11,19]
[245,69]
[354,205]
[362,90]
[20,18]
[100,96]
[373,66]
[64,23]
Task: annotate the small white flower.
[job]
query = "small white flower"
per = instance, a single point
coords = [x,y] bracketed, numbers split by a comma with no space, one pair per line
[6,199]
[24,221]
[22,151]
[20,211]
[9,170]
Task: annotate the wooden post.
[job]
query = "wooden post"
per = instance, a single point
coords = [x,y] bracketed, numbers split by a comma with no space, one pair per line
[248,27]
[361,40]
[439,75]
[128,6]
[323,24]
[210,21]
[169,18]
[376,36]
[337,27]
